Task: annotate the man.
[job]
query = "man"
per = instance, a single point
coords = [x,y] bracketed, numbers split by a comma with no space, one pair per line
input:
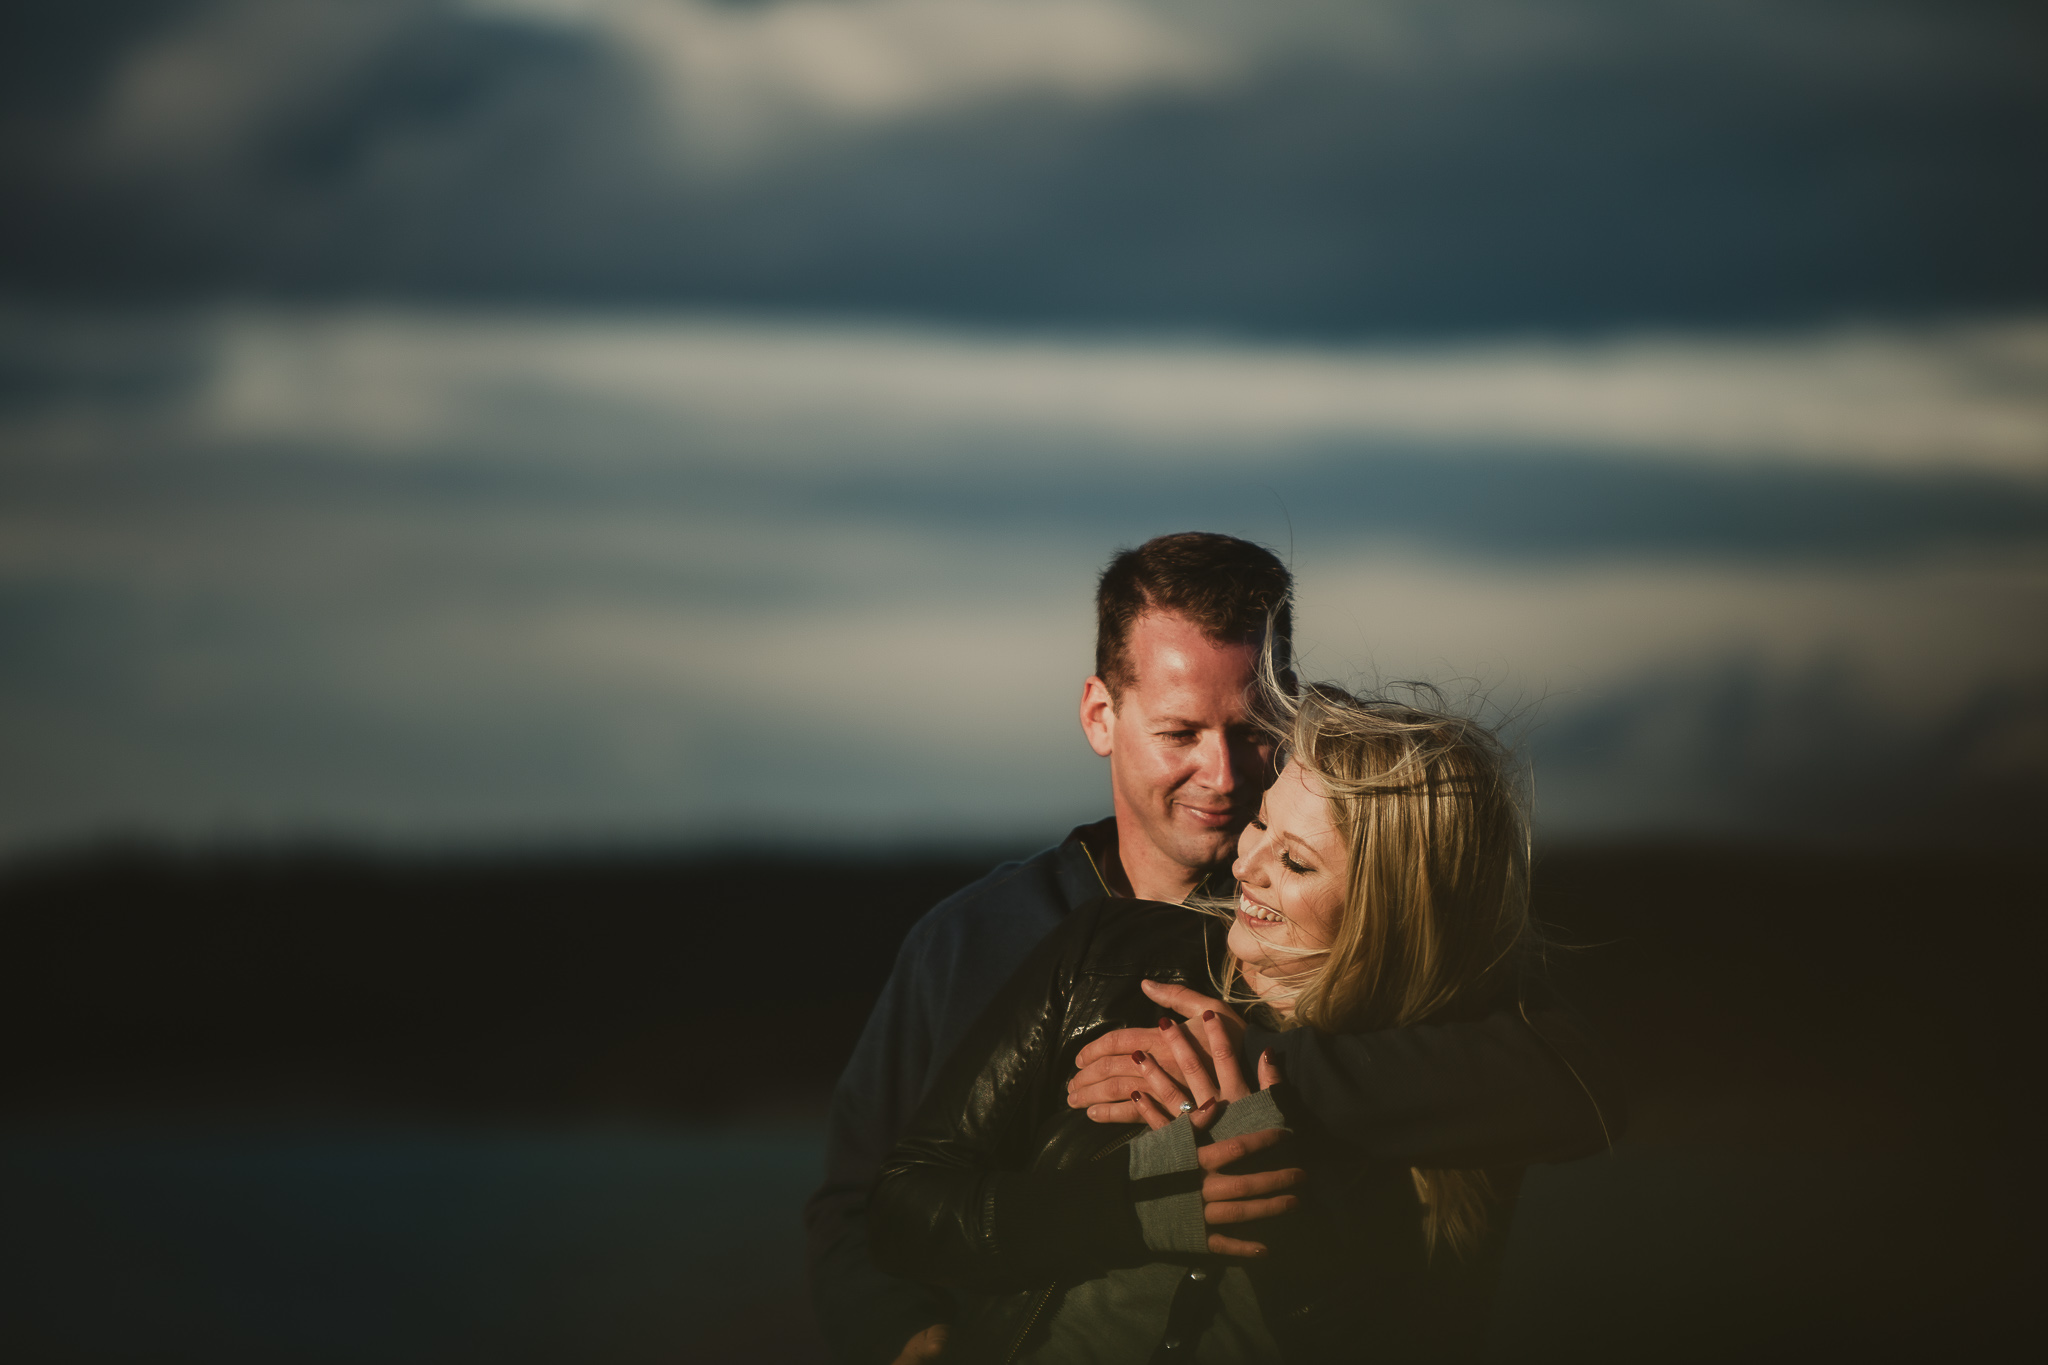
[1180,623]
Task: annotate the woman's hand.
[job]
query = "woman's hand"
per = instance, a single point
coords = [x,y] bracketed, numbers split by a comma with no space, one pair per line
[1177,1078]
[1163,1098]
[1231,1199]
[1173,1071]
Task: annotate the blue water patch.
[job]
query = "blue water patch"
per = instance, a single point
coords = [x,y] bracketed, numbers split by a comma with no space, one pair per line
[617,1247]
[401,1246]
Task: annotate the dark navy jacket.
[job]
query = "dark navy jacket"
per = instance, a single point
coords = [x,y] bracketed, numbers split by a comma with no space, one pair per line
[1523,1085]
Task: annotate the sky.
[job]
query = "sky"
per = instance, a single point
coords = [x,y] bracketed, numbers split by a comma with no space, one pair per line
[564,422]
[1292,166]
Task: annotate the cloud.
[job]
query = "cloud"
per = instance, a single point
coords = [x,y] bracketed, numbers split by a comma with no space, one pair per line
[1302,168]
[419,576]
[404,674]
[364,668]
[1739,750]
[1955,399]
[204,95]
[742,81]
[737,83]
[1865,445]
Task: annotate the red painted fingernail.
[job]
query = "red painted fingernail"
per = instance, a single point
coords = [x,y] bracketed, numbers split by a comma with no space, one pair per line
[1165,1024]
[1134,1097]
[1207,1105]
[1138,1057]
[1207,1015]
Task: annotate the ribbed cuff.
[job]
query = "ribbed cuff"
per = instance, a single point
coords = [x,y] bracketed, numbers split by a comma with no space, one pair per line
[1166,1187]
[1251,1114]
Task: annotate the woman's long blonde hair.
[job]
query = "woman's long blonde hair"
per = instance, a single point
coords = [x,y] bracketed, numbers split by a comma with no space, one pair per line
[1435,920]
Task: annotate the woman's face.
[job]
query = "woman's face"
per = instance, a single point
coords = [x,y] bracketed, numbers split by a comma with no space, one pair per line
[1291,869]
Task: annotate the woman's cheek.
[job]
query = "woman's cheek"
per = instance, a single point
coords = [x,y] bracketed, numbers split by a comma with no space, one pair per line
[1241,945]
[1318,927]
[1247,946]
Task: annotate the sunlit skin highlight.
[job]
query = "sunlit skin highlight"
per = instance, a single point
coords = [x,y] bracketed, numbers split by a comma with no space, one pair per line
[1292,867]
[1186,764]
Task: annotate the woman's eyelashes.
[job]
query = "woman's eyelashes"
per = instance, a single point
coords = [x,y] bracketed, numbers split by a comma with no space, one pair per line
[1258,822]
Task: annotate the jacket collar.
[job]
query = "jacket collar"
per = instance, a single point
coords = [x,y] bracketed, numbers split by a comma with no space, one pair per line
[1088,866]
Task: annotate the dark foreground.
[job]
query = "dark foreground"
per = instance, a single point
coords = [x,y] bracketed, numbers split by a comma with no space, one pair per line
[318,1108]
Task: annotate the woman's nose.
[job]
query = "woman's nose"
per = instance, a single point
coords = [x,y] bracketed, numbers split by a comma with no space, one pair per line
[1245,866]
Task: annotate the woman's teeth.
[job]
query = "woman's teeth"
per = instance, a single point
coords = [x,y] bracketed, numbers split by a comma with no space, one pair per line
[1259,913]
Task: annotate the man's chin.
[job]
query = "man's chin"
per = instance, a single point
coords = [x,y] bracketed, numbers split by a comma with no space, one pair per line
[1208,855]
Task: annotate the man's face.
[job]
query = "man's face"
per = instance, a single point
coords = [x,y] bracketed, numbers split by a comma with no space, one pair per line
[1186,765]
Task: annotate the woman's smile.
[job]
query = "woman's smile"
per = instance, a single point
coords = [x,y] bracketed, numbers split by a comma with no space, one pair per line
[1256,913]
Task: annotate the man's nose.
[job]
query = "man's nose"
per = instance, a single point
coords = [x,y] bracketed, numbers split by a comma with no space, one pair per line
[1251,760]
[1217,771]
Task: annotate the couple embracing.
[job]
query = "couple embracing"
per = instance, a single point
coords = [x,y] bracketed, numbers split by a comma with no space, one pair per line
[1247,1072]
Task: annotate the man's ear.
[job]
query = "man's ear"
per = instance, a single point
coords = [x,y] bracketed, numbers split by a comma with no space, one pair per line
[1098,715]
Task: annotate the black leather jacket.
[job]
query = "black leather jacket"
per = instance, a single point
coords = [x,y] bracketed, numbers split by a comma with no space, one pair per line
[1004,1195]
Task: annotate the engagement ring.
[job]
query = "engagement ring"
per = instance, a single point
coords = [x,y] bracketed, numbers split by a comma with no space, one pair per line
[1187,1106]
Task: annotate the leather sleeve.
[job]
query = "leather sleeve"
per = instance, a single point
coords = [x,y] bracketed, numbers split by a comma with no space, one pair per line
[957,1202]
[1527,1083]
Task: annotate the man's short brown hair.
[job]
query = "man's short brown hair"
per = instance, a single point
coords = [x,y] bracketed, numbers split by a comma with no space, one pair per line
[1229,589]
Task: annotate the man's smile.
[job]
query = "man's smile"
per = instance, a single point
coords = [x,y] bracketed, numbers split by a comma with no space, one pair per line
[1209,819]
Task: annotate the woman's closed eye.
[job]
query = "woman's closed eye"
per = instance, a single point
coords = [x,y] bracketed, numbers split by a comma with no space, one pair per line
[1258,822]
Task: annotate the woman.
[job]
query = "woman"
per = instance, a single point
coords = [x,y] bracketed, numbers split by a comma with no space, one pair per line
[1383,884]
